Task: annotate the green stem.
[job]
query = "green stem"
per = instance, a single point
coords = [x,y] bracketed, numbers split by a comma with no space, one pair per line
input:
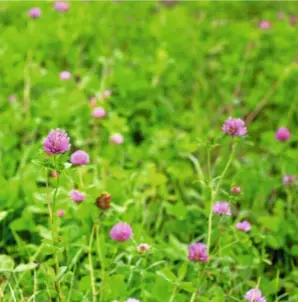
[53,225]
[101,259]
[215,192]
[94,294]
[173,294]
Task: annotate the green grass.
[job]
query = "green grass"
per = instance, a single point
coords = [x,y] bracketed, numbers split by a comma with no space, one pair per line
[176,74]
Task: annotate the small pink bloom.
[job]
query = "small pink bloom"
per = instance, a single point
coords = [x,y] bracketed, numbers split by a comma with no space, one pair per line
[282,134]
[243,226]
[65,75]
[107,93]
[121,232]
[222,208]
[143,247]
[280,15]
[254,295]
[289,179]
[56,142]
[60,213]
[54,173]
[198,252]
[92,101]
[265,24]
[234,127]
[12,98]
[34,12]
[236,190]
[99,112]
[77,196]
[61,6]
[117,139]
[293,20]
[80,158]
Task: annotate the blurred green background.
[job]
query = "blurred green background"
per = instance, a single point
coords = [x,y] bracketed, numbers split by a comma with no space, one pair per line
[176,72]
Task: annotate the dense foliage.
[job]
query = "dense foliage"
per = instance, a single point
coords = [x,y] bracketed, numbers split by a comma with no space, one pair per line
[165,76]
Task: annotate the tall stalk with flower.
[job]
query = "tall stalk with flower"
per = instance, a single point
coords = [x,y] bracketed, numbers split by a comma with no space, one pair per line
[233,127]
[57,142]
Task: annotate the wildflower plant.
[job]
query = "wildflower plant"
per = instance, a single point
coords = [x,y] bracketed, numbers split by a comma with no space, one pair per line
[141,165]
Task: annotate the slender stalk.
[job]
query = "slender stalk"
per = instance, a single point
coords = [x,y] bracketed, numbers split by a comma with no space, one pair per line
[172,299]
[102,265]
[53,226]
[94,294]
[215,191]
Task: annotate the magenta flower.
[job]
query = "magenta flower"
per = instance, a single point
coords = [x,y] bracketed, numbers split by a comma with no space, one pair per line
[61,6]
[56,142]
[289,179]
[79,158]
[265,24]
[282,134]
[143,247]
[117,139]
[99,112]
[234,127]
[34,12]
[65,75]
[198,252]
[121,232]
[254,295]
[60,213]
[222,208]
[77,196]
[243,226]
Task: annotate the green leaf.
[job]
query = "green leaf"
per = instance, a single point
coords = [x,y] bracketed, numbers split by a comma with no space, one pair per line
[6,263]
[187,286]
[3,214]
[182,271]
[168,275]
[61,272]
[25,267]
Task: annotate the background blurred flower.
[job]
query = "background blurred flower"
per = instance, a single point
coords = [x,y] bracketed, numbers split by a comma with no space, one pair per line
[99,112]
[61,6]
[236,190]
[282,134]
[56,142]
[79,157]
[34,12]
[265,24]
[222,208]
[254,295]
[12,98]
[243,226]
[116,139]
[77,196]
[121,232]
[289,179]
[143,247]
[60,213]
[65,75]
